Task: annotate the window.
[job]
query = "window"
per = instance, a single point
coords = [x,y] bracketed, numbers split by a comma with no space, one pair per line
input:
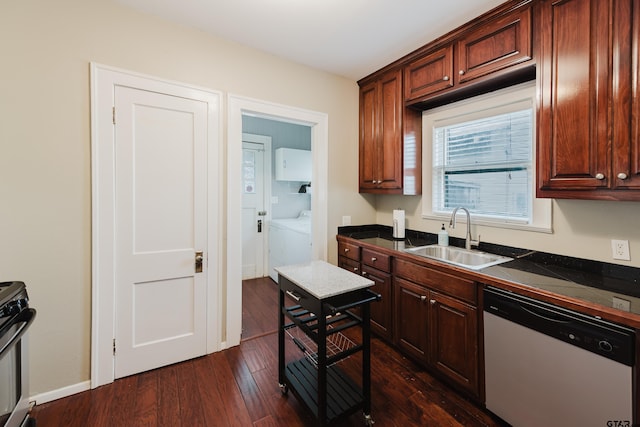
[481,156]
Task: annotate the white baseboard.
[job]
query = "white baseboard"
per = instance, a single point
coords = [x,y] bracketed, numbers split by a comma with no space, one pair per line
[49,396]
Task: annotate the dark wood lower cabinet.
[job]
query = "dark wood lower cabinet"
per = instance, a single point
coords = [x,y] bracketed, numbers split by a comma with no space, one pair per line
[411,318]
[380,310]
[454,340]
[438,331]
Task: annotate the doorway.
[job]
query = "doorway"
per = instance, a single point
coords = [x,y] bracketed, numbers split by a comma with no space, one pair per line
[318,122]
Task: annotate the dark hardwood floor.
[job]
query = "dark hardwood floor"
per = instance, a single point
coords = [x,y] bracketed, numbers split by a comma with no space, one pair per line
[239,387]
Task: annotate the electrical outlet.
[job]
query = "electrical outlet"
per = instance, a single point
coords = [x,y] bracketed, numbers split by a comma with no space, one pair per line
[346,220]
[620,249]
[621,304]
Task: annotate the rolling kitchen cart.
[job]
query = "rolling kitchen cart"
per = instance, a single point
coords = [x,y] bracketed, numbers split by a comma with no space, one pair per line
[325,296]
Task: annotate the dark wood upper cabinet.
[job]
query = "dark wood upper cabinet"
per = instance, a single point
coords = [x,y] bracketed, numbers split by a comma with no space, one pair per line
[390,138]
[588,128]
[381,133]
[429,74]
[504,42]
[490,52]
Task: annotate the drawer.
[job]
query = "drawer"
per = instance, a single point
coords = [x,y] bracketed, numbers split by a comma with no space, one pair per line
[449,284]
[376,260]
[349,250]
[349,264]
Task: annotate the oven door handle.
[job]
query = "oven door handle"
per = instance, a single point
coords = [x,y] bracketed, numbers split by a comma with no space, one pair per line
[12,332]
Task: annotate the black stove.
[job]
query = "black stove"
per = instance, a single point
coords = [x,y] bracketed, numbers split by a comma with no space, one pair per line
[15,318]
[13,299]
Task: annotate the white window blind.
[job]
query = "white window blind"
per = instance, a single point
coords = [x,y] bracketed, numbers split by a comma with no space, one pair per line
[485,165]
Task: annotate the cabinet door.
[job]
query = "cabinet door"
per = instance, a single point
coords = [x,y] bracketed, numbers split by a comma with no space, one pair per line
[495,46]
[453,342]
[574,82]
[411,320]
[429,74]
[381,310]
[381,133]
[626,96]
[369,95]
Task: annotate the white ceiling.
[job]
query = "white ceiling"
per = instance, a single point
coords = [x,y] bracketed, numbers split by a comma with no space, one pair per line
[351,38]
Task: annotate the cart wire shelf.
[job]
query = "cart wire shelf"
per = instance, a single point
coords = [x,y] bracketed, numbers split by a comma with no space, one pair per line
[337,343]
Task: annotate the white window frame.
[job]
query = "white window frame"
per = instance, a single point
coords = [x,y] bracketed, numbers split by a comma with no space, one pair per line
[471,109]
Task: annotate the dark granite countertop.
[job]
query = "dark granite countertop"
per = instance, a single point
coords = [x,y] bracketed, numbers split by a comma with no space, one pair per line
[584,280]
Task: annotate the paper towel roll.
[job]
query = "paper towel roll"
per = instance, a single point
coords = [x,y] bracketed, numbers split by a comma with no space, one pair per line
[398,224]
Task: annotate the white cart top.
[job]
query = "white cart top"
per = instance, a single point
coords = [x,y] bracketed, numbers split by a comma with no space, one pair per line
[323,280]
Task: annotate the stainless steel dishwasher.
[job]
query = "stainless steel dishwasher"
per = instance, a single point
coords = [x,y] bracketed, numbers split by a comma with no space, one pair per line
[549,366]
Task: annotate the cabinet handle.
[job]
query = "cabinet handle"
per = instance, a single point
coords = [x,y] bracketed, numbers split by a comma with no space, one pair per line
[461,72]
[364,273]
[445,78]
[346,250]
[294,296]
[600,176]
[355,268]
[423,298]
[373,259]
[432,302]
[622,175]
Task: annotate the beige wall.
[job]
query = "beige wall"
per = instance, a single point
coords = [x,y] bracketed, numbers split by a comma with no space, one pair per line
[45,169]
[581,228]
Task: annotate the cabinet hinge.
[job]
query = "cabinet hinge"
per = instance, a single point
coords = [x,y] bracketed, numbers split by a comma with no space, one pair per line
[114,346]
[113,115]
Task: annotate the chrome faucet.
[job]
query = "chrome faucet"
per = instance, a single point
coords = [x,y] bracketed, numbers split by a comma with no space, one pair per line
[468,240]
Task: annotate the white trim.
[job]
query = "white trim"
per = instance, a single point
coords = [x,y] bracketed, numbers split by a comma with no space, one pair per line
[319,123]
[49,396]
[103,81]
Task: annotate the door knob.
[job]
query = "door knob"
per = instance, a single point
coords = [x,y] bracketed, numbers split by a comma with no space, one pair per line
[199,261]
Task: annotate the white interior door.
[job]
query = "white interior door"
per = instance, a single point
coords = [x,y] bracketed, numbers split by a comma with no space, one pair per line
[161,210]
[254,214]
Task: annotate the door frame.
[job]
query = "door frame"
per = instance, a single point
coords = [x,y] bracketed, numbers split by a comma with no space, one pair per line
[266,177]
[319,123]
[103,232]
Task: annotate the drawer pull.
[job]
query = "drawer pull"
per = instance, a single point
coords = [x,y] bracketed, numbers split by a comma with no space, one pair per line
[364,273]
[346,250]
[461,72]
[432,301]
[374,259]
[423,298]
[445,78]
[355,268]
[294,296]
[600,176]
[622,175]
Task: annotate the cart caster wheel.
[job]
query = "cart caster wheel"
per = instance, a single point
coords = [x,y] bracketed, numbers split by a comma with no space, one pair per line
[368,421]
[284,389]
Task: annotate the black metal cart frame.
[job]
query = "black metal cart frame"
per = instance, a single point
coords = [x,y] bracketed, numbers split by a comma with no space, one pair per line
[322,386]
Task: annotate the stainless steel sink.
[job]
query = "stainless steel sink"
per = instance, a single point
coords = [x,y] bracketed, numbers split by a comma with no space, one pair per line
[475,260]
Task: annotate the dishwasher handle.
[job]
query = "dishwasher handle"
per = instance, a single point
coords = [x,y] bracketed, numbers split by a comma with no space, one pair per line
[545,314]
